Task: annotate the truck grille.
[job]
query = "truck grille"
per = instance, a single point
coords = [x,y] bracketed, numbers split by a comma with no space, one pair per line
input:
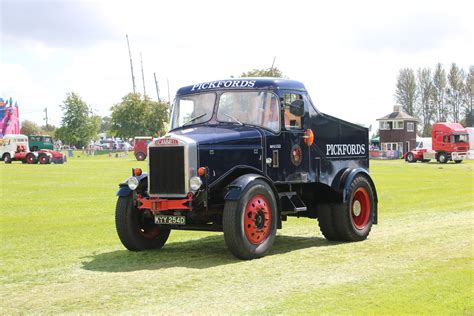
[167,170]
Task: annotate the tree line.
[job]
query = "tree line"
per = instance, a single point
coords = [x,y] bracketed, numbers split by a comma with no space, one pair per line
[134,116]
[436,95]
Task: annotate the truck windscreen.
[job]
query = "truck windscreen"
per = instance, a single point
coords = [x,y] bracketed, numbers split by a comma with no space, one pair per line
[192,109]
[252,107]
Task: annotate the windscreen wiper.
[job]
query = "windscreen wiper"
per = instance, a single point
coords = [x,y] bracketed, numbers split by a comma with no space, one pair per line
[233,118]
[194,118]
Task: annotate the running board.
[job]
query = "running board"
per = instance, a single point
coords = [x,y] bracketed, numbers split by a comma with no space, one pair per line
[291,203]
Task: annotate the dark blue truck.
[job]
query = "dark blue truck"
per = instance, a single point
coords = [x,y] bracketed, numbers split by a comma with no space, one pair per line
[241,156]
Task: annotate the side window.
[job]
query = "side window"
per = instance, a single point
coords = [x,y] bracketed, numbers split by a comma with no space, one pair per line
[291,121]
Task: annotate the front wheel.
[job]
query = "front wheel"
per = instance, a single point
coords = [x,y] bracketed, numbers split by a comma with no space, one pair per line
[411,157]
[442,158]
[136,228]
[354,218]
[140,156]
[250,223]
[7,158]
[457,161]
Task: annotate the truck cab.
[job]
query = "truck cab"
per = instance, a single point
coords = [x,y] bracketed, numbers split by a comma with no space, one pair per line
[449,141]
[15,148]
[241,156]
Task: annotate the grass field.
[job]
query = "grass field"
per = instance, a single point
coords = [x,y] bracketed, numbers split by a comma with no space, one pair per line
[59,251]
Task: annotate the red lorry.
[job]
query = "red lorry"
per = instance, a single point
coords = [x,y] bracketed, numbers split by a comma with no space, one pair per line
[140,146]
[450,141]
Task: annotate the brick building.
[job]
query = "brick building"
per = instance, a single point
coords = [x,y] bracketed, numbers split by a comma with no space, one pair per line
[398,130]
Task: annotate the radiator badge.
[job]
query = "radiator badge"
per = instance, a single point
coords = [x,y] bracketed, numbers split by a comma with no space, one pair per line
[166,141]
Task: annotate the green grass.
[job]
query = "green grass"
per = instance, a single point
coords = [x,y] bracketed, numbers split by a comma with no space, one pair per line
[59,251]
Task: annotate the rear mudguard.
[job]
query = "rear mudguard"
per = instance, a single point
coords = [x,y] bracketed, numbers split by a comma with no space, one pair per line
[346,181]
[124,190]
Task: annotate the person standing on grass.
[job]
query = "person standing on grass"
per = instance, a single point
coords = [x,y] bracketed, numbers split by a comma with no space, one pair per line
[126,147]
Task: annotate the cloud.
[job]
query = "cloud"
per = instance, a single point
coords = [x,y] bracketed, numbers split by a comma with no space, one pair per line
[54,23]
[410,35]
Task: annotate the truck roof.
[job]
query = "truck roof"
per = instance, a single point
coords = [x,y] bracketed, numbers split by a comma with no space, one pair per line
[243,83]
[450,127]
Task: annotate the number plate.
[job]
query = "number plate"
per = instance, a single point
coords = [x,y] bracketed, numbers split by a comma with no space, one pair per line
[170,220]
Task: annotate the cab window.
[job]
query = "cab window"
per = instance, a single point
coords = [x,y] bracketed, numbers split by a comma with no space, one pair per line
[258,108]
[291,121]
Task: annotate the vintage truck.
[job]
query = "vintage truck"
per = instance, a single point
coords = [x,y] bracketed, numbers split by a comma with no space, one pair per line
[140,147]
[241,156]
[449,141]
[14,147]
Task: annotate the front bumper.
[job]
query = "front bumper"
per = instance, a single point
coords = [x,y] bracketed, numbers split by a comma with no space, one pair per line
[156,204]
[458,156]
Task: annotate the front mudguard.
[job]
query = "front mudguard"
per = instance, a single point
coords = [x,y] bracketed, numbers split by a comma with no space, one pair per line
[125,191]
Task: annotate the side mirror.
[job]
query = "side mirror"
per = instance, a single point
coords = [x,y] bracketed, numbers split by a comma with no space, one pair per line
[297,108]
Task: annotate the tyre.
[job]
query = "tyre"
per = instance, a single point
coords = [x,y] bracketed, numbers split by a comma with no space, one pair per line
[326,222]
[411,157]
[250,223]
[140,156]
[7,158]
[442,158]
[354,218]
[44,159]
[136,228]
[457,161]
[30,159]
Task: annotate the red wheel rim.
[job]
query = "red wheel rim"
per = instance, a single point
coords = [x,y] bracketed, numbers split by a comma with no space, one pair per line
[257,219]
[43,159]
[360,208]
[29,159]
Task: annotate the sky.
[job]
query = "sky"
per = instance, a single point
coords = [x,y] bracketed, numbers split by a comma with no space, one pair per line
[347,53]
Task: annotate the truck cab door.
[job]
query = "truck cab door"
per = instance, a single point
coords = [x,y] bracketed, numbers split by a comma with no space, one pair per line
[288,153]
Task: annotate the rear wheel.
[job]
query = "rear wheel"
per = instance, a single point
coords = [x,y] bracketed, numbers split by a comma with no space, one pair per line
[326,222]
[250,223]
[442,158]
[7,158]
[43,159]
[411,157]
[140,156]
[30,159]
[136,228]
[353,219]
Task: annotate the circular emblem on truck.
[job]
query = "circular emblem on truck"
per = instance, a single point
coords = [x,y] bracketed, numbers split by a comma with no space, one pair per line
[296,155]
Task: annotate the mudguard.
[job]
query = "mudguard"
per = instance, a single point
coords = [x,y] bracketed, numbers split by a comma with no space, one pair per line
[347,179]
[124,190]
[235,189]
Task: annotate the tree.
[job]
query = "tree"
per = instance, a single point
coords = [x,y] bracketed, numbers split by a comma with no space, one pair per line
[29,128]
[424,106]
[267,72]
[454,92]
[48,130]
[469,102]
[105,124]
[405,92]
[135,116]
[439,89]
[78,125]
